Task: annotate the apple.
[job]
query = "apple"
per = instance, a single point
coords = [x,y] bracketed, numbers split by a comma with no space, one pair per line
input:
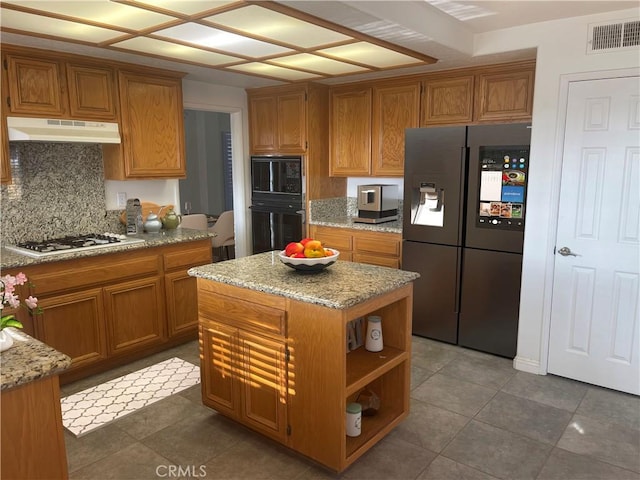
[298,255]
[304,241]
[292,248]
[313,249]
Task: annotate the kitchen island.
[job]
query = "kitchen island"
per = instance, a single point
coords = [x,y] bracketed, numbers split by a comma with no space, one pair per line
[32,439]
[276,356]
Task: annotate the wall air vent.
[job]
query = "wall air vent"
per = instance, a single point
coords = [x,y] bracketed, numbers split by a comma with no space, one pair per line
[613,36]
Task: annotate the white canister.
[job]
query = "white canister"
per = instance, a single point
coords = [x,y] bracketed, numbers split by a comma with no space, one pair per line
[354,419]
[373,342]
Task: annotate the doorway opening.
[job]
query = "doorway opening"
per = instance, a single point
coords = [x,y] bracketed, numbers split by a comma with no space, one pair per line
[208,187]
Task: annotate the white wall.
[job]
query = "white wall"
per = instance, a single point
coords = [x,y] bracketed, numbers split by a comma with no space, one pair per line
[561,53]
[353,182]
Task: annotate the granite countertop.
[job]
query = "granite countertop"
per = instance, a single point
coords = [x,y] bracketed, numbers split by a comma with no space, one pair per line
[341,285]
[348,222]
[28,360]
[11,259]
[339,212]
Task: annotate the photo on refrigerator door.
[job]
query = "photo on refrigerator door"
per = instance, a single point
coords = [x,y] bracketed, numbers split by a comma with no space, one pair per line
[502,192]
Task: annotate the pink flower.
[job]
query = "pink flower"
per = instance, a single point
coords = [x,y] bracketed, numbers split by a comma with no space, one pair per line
[32,302]
[21,278]
[9,283]
[12,300]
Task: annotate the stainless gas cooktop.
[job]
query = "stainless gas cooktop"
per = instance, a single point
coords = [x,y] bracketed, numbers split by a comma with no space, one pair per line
[70,244]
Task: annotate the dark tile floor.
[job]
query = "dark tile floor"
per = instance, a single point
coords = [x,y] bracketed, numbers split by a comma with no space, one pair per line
[472,417]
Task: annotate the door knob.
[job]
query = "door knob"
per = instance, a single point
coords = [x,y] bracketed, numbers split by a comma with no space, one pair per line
[566,252]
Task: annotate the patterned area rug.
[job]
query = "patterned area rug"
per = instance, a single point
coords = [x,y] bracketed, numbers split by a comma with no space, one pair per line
[97,406]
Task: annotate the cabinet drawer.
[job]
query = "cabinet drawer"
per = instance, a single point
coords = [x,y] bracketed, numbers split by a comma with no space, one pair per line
[392,262]
[96,271]
[334,240]
[384,246]
[187,258]
[238,313]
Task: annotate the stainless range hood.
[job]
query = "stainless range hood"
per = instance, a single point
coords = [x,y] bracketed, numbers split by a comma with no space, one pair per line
[27,129]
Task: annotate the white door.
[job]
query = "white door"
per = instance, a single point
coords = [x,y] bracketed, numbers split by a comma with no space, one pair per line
[594,334]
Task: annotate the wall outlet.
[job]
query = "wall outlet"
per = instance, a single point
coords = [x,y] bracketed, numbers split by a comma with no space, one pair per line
[121,199]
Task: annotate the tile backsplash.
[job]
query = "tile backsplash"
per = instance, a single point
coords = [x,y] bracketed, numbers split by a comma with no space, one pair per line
[57,189]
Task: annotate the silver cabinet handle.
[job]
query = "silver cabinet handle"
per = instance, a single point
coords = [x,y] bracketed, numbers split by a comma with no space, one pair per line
[566,252]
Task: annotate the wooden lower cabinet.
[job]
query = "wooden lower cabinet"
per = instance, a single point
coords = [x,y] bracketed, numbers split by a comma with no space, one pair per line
[74,324]
[243,352]
[32,436]
[113,308]
[280,367]
[363,246]
[135,314]
[244,377]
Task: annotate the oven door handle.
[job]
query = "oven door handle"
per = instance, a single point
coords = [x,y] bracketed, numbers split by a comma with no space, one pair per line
[276,209]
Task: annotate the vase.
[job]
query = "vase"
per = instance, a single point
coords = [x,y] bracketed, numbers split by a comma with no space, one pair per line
[6,340]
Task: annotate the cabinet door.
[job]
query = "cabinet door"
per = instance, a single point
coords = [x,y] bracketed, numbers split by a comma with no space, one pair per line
[447,101]
[505,96]
[135,314]
[292,131]
[152,126]
[5,163]
[262,366]
[74,325]
[394,109]
[35,86]
[91,92]
[220,379]
[350,133]
[182,303]
[263,133]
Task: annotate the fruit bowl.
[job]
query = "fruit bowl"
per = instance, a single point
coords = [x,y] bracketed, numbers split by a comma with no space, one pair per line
[310,264]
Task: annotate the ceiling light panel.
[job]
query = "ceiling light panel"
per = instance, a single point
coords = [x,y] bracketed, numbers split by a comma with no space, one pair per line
[104,12]
[307,61]
[262,22]
[203,36]
[370,54]
[56,28]
[273,71]
[185,7]
[174,50]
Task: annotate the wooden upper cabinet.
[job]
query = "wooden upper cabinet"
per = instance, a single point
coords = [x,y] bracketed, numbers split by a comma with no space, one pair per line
[152,129]
[263,124]
[292,126]
[91,92]
[395,108]
[505,95]
[350,132]
[447,101]
[35,86]
[68,89]
[277,121]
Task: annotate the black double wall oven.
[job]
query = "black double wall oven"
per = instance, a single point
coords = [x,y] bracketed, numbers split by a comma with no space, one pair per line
[277,202]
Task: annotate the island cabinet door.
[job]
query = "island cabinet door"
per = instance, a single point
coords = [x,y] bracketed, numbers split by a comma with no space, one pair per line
[220,385]
[263,380]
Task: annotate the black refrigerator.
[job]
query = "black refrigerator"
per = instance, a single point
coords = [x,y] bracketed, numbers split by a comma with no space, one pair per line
[463,228]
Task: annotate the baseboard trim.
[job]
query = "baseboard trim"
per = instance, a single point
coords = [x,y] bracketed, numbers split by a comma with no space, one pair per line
[527,365]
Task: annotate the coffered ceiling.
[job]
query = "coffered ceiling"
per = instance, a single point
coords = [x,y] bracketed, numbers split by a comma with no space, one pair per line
[263,38]
[258,43]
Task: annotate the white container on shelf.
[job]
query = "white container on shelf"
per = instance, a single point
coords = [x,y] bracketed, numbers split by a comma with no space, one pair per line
[373,341]
[354,419]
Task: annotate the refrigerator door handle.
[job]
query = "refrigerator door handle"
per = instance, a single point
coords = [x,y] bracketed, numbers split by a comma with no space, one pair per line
[458,281]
